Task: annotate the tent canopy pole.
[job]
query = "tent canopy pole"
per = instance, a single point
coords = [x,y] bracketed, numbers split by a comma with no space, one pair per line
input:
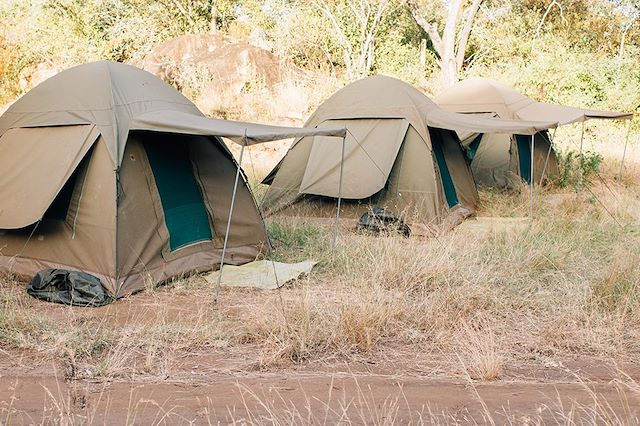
[335,234]
[546,161]
[581,157]
[532,177]
[226,235]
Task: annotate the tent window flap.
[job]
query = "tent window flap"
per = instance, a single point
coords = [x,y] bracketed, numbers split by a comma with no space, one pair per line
[371,148]
[36,164]
[184,210]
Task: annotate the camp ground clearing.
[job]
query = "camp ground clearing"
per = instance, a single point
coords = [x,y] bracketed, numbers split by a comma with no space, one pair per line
[398,248]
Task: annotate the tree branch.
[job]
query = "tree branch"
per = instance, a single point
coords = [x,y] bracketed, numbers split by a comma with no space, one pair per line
[430,28]
[544,17]
[463,37]
[344,41]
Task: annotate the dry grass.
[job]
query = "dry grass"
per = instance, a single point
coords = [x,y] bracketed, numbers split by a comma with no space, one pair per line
[91,344]
[565,284]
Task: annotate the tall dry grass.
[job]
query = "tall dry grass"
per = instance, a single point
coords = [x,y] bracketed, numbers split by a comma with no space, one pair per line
[565,283]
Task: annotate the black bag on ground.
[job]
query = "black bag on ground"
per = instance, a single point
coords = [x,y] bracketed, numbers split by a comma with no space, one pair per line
[379,220]
[68,287]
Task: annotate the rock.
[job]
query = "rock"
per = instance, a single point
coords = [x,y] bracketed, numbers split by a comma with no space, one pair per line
[34,74]
[217,71]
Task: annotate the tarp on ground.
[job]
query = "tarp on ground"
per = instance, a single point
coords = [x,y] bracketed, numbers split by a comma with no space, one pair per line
[261,274]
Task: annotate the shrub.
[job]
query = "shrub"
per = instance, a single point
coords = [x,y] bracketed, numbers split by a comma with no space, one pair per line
[573,167]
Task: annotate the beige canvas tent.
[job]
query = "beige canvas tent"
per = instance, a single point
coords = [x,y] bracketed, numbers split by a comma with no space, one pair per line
[401,153]
[502,160]
[108,170]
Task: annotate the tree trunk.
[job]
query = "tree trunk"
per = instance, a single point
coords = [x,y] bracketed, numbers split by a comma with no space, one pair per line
[449,75]
[463,38]
[213,22]
[622,43]
[451,58]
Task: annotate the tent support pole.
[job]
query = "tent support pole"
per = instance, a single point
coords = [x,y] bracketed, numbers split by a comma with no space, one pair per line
[226,235]
[335,235]
[581,157]
[532,177]
[624,153]
[546,161]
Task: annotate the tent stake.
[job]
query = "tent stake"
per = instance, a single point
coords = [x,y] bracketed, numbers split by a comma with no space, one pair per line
[532,178]
[233,201]
[581,157]
[335,235]
[624,153]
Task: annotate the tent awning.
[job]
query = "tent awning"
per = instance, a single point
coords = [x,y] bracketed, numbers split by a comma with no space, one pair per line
[469,123]
[484,95]
[237,131]
[565,114]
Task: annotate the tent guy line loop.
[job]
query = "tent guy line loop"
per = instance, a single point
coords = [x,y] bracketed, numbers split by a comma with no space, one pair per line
[280,299]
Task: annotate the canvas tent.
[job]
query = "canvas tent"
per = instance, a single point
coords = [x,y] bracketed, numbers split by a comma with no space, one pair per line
[502,160]
[108,170]
[400,153]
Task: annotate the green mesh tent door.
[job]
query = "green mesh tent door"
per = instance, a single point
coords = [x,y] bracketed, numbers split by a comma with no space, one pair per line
[184,210]
[447,182]
[524,157]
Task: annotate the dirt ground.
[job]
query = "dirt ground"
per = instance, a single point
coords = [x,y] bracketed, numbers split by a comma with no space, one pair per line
[227,385]
[362,398]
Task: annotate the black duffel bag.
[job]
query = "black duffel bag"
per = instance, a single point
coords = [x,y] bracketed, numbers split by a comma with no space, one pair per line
[378,220]
[68,287]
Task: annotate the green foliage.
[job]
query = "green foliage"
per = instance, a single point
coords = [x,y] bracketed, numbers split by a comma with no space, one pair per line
[573,56]
[398,48]
[572,168]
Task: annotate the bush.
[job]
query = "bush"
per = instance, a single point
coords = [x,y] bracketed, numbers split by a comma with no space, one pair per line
[572,169]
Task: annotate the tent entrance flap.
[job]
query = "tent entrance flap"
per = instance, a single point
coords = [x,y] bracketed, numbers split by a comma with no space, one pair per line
[36,164]
[371,148]
[447,182]
[185,214]
[524,157]
[471,150]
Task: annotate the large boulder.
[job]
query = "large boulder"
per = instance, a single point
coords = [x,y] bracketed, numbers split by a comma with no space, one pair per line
[34,74]
[230,61]
[218,71]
